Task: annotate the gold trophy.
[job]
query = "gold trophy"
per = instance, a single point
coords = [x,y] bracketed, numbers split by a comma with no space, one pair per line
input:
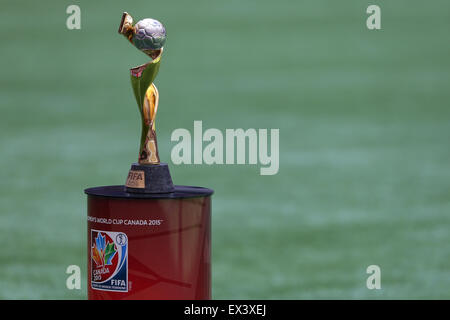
[148,175]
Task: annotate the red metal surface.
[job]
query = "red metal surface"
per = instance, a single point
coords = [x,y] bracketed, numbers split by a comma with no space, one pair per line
[169,259]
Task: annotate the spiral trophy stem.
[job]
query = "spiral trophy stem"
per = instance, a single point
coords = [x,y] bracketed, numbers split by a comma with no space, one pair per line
[148,149]
[148,175]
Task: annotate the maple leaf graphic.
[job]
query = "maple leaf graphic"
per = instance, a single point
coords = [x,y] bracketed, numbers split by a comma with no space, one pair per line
[110,252]
[96,256]
[103,252]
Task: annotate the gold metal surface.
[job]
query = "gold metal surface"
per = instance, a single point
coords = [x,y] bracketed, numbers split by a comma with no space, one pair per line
[146,94]
[126,26]
[148,153]
[136,179]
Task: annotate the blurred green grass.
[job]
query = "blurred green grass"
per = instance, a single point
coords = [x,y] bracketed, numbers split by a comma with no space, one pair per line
[364,125]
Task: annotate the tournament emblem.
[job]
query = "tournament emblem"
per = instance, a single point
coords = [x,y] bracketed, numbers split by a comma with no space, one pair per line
[109,260]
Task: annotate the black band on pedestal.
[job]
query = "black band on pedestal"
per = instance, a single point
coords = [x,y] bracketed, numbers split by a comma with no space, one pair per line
[149,178]
[118,192]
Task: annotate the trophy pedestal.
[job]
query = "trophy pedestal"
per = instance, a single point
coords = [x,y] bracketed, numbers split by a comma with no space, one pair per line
[149,245]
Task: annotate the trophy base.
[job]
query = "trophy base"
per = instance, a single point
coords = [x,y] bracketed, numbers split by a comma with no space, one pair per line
[149,178]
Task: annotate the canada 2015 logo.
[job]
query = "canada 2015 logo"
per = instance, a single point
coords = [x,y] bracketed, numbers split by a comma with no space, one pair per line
[109,261]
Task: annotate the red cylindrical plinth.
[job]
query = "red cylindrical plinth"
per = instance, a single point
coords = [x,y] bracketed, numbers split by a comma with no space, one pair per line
[149,246]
